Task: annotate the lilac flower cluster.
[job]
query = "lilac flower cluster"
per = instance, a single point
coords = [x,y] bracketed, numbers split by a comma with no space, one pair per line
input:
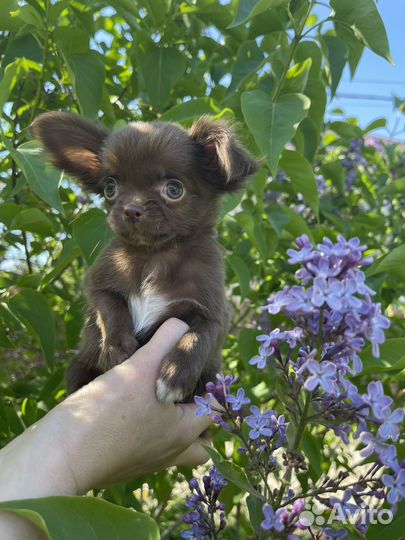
[266,429]
[334,317]
[353,158]
[284,520]
[204,506]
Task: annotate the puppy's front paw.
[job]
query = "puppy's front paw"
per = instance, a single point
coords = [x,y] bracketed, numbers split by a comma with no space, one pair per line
[178,377]
[168,394]
[116,353]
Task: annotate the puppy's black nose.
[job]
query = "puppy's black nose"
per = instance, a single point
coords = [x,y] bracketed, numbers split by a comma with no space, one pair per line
[134,213]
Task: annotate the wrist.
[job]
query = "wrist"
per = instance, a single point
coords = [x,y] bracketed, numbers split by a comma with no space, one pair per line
[34,465]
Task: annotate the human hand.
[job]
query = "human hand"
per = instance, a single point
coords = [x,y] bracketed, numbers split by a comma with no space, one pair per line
[121,430]
[109,431]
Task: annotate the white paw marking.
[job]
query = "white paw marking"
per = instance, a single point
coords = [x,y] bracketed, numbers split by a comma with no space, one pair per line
[166,394]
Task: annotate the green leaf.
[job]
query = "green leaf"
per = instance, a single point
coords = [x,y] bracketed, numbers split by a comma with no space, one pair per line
[337,58]
[346,130]
[316,92]
[229,203]
[255,230]
[76,518]
[91,232]
[354,46]
[8,211]
[392,357]
[87,73]
[31,308]
[12,74]
[29,15]
[297,225]
[312,449]
[309,49]
[248,60]
[334,171]
[247,9]
[231,472]
[300,172]
[375,124]
[389,531]
[70,252]
[43,178]
[311,136]
[393,263]
[24,46]
[33,220]
[71,40]
[273,124]
[242,272]
[278,218]
[6,21]
[255,506]
[161,68]
[158,10]
[297,77]
[365,21]
[190,109]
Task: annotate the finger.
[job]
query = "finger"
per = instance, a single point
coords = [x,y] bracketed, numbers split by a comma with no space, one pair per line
[190,426]
[194,455]
[161,343]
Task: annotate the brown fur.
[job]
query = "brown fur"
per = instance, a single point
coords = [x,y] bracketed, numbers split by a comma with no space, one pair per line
[170,251]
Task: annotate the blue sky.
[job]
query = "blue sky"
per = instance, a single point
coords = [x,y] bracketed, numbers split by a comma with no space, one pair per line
[377,77]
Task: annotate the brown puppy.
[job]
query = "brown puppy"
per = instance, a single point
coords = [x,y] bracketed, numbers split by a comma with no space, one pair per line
[162,187]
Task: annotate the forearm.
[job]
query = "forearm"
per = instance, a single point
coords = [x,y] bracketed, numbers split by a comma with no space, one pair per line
[32,466]
[13,527]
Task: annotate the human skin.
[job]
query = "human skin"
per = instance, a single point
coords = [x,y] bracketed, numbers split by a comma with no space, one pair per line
[110,431]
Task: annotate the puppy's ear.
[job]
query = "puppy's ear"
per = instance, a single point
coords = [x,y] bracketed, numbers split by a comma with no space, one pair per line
[72,144]
[226,164]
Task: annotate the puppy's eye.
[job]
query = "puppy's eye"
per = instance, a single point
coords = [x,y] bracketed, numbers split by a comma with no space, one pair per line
[110,188]
[173,189]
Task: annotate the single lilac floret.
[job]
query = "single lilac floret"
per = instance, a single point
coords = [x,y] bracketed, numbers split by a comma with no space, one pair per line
[396,485]
[259,423]
[238,401]
[331,534]
[322,374]
[272,520]
[377,400]
[390,429]
[204,405]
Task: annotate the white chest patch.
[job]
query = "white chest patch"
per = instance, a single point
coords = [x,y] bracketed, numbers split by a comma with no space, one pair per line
[146,308]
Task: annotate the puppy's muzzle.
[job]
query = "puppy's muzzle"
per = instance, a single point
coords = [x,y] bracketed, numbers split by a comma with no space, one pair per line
[134,213]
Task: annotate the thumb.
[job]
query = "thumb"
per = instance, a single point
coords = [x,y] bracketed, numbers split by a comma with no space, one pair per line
[161,343]
[190,426]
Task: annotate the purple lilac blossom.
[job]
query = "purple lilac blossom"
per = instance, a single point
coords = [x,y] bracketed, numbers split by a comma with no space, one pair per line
[390,429]
[272,520]
[396,486]
[204,506]
[204,405]
[259,423]
[377,400]
[238,401]
[334,317]
[322,374]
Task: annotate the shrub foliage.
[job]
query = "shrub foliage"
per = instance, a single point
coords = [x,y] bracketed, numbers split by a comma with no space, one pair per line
[271,66]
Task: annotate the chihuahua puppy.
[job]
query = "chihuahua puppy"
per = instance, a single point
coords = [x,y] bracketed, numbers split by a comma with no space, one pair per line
[162,186]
